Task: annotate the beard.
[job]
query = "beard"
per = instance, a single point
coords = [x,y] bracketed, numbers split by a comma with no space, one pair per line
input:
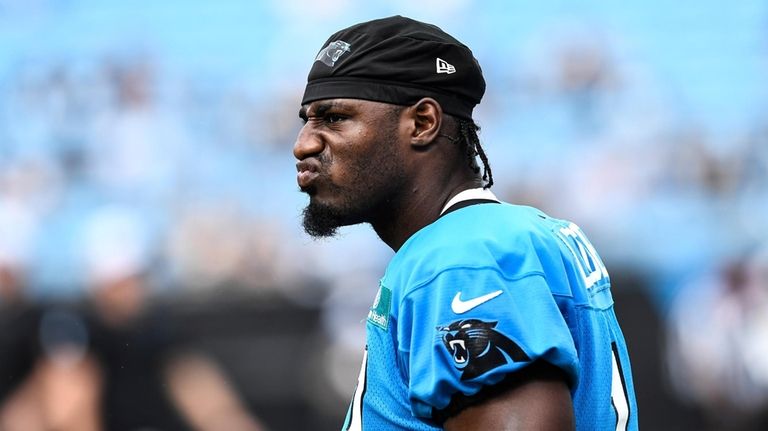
[366,199]
[323,221]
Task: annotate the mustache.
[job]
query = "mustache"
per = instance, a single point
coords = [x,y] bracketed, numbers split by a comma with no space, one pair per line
[323,160]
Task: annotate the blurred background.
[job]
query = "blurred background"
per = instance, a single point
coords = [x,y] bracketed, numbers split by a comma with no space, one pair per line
[153,273]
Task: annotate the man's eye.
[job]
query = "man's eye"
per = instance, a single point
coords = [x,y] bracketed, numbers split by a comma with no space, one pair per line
[333,118]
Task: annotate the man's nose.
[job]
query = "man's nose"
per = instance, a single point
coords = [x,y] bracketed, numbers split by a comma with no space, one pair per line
[307,143]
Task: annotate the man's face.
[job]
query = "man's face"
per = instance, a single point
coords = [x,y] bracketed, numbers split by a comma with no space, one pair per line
[349,162]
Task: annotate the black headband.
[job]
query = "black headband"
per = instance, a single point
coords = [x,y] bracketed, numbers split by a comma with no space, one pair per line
[397,60]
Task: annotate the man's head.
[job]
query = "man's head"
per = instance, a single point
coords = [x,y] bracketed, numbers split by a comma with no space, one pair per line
[379,96]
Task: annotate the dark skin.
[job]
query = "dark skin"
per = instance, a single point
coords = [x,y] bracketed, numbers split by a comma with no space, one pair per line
[391,170]
[344,131]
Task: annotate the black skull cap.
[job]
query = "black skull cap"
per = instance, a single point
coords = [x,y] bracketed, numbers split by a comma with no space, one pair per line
[397,60]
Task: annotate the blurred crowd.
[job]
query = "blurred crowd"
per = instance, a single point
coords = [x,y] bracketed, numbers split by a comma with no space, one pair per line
[126,181]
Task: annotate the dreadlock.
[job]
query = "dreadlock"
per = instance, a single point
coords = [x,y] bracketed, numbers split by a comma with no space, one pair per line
[467,138]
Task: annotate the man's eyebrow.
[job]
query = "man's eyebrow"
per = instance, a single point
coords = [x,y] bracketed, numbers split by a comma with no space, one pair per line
[321,108]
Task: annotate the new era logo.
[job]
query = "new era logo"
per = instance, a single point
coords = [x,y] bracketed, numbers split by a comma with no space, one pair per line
[443,66]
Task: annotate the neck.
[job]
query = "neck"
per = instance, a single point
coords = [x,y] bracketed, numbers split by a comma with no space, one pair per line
[418,208]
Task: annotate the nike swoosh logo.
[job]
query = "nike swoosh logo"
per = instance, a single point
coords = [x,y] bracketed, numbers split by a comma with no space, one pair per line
[459,307]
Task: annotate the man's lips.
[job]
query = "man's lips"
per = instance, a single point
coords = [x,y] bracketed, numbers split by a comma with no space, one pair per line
[307,173]
[305,178]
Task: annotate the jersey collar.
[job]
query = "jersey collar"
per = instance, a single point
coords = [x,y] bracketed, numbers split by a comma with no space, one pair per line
[479,193]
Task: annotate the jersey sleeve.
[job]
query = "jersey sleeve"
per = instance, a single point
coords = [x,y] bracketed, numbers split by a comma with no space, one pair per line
[468,328]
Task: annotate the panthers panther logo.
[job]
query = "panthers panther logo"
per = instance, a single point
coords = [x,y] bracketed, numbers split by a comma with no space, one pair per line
[477,348]
[331,53]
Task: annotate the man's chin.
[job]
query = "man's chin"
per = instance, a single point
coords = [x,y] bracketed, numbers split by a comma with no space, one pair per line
[321,221]
[308,190]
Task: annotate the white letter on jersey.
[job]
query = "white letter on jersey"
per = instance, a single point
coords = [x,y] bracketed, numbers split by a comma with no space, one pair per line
[355,413]
[587,260]
[619,392]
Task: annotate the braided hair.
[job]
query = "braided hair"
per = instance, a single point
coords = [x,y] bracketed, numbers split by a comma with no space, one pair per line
[468,139]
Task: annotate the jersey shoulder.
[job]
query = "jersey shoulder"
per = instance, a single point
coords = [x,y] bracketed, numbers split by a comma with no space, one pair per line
[516,241]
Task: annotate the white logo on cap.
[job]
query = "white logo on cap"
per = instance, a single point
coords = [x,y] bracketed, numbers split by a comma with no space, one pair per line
[331,53]
[444,67]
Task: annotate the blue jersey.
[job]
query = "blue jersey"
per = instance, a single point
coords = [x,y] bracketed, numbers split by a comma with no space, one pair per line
[483,292]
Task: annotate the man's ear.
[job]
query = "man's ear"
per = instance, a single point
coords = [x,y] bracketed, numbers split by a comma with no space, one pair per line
[427,116]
